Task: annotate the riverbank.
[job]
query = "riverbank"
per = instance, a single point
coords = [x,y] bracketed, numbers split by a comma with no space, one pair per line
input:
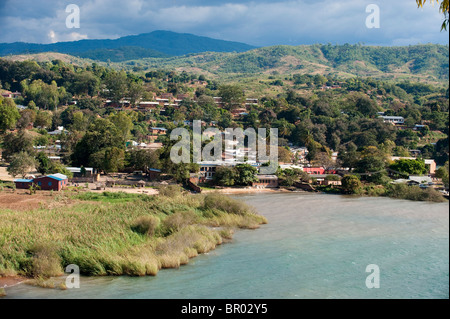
[116,233]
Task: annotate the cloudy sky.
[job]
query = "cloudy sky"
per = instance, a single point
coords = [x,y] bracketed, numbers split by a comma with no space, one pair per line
[259,23]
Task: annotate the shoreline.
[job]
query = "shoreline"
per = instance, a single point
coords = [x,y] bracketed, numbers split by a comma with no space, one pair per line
[11,281]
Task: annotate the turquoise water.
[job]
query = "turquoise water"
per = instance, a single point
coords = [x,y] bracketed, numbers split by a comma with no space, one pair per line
[315,246]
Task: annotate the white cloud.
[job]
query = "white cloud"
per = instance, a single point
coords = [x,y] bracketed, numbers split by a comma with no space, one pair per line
[254,22]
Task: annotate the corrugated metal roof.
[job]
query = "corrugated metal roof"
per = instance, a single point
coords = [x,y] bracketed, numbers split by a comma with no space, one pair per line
[59,177]
[23,180]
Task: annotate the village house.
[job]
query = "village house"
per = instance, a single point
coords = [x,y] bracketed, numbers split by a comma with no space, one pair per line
[314,170]
[266,181]
[55,182]
[11,95]
[158,130]
[153,173]
[393,119]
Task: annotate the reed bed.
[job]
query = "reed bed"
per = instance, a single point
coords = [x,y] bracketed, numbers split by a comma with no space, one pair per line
[118,233]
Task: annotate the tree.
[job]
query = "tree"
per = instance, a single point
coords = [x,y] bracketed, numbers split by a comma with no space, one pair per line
[231,95]
[350,184]
[14,143]
[116,86]
[225,176]
[8,114]
[43,163]
[101,134]
[443,8]
[409,167]
[45,95]
[142,159]
[43,119]
[21,164]
[372,164]
[246,174]
[110,159]
[442,172]
[123,123]
[284,155]
[27,117]
[290,176]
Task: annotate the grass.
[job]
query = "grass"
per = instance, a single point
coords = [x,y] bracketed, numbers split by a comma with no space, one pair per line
[402,191]
[397,191]
[118,233]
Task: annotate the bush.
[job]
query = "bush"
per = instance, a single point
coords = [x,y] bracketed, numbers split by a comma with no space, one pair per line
[170,190]
[45,261]
[146,225]
[226,204]
[178,220]
[403,191]
[350,184]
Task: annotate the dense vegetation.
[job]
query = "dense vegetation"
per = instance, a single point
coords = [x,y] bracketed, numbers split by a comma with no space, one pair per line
[120,234]
[322,113]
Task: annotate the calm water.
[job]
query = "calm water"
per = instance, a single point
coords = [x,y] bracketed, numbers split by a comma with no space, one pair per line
[315,246]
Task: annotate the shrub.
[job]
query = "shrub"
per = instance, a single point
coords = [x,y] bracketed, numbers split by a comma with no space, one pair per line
[403,191]
[350,184]
[226,204]
[146,225]
[45,261]
[170,190]
[178,220]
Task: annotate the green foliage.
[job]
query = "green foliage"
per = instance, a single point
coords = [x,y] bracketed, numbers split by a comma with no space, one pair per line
[231,95]
[225,176]
[403,191]
[8,114]
[350,184]
[409,167]
[121,54]
[109,159]
[442,172]
[21,164]
[146,225]
[226,204]
[14,143]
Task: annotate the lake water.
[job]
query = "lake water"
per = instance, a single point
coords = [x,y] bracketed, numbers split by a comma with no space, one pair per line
[315,246]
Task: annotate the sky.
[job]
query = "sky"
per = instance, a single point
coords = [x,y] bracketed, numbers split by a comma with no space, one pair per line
[259,23]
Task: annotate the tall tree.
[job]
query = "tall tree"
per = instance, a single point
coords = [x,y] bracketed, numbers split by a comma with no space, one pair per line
[21,164]
[8,114]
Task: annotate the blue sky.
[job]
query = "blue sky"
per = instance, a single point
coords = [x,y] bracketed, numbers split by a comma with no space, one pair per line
[259,23]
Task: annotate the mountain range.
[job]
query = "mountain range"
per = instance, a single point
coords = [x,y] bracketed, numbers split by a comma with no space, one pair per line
[155,44]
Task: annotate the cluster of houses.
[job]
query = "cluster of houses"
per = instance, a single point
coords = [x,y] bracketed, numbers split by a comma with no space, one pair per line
[169,100]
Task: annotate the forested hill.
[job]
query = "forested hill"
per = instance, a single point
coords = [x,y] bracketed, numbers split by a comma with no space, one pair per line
[162,42]
[422,63]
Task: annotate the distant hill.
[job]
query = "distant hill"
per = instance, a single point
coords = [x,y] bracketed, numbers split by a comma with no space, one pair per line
[161,42]
[424,63]
[121,54]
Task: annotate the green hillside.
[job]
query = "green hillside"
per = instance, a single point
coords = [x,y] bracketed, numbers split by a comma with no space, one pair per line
[424,63]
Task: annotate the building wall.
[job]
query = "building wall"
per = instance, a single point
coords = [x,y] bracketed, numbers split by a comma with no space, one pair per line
[267,183]
[47,183]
